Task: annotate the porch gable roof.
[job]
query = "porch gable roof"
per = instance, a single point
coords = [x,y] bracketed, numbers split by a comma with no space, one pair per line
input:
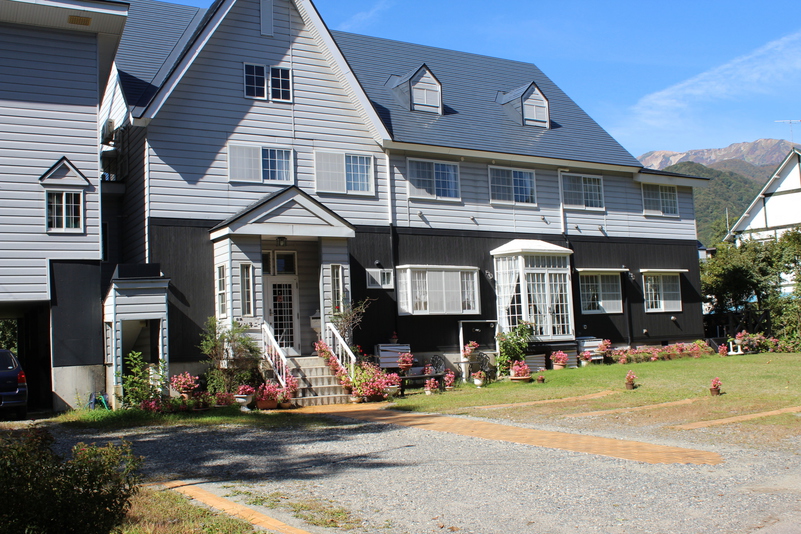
[287,212]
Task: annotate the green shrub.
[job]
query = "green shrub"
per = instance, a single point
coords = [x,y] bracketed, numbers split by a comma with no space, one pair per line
[138,384]
[41,493]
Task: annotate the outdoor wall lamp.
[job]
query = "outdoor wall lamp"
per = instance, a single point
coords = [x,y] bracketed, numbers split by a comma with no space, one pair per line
[280,241]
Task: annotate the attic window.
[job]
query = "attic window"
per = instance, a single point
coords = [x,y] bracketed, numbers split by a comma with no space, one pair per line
[426,92]
[535,108]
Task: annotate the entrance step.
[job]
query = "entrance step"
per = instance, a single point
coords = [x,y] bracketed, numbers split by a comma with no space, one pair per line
[317,384]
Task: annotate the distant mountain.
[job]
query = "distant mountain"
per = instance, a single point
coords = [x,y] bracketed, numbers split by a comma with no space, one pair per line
[769,152]
[726,190]
[760,173]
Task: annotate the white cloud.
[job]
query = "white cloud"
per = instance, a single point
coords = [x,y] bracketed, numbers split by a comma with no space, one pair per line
[365,18]
[769,72]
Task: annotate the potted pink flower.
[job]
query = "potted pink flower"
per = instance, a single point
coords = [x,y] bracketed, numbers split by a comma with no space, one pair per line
[714,389]
[449,379]
[630,378]
[586,358]
[267,396]
[478,378]
[520,372]
[405,361]
[432,384]
[184,384]
[559,359]
[540,375]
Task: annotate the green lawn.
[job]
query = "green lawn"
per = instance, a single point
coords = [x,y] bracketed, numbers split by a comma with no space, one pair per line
[751,383]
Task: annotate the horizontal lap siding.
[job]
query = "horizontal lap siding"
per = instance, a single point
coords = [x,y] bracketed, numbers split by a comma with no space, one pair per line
[48,110]
[622,217]
[140,304]
[247,249]
[188,139]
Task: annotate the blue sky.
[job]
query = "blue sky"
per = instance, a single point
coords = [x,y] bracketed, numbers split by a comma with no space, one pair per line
[656,75]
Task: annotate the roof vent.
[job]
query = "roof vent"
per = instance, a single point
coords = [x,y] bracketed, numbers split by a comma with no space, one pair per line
[79,21]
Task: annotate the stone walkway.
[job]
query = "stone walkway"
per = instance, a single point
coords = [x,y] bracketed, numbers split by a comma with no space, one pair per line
[616,448]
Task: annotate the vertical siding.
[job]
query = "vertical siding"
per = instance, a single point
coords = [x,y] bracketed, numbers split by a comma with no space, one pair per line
[48,109]
[188,160]
[134,202]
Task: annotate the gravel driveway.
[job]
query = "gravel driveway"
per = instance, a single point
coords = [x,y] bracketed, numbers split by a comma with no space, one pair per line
[407,480]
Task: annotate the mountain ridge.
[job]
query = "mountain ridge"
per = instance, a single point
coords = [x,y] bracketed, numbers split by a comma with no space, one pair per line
[759,153]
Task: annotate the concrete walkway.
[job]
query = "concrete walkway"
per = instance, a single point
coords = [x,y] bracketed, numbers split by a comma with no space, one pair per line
[616,448]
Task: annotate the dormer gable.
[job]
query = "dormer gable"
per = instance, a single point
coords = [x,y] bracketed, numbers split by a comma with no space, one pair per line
[64,174]
[528,105]
[419,89]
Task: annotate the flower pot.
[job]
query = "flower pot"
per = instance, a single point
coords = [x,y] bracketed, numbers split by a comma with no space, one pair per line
[355,399]
[586,363]
[629,385]
[285,405]
[266,404]
[448,388]
[375,398]
[428,392]
[524,379]
[478,382]
[404,366]
[540,379]
[714,391]
[558,366]
[243,401]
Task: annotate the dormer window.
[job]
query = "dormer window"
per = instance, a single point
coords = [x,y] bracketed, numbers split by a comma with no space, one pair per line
[64,187]
[535,108]
[426,91]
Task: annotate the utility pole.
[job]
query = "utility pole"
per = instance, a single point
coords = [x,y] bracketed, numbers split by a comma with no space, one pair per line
[790,122]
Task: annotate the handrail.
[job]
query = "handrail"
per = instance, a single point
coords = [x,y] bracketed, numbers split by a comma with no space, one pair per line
[274,353]
[339,348]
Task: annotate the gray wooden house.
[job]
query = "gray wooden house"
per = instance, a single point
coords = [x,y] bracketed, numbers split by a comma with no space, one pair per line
[261,168]
[56,59]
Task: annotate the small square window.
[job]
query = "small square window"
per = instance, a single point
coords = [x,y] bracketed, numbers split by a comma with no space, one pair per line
[582,191]
[380,279]
[660,200]
[64,211]
[432,179]
[285,263]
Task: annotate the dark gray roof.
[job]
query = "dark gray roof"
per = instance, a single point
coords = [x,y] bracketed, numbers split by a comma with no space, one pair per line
[473,119]
[646,170]
[155,35]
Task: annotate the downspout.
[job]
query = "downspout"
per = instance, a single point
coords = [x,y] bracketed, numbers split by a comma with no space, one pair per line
[562,215]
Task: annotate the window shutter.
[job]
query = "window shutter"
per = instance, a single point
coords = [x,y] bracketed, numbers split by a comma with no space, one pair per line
[244,163]
[404,295]
[330,172]
[267,17]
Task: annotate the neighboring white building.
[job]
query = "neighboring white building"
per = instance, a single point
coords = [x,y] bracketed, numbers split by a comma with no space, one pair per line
[776,209]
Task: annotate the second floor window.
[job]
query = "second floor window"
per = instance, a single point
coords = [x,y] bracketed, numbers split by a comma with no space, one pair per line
[257,78]
[512,185]
[280,84]
[247,163]
[581,191]
[660,200]
[433,179]
[64,211]
[343,173]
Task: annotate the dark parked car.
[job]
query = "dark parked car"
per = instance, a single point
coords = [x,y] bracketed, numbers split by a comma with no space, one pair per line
[13,385]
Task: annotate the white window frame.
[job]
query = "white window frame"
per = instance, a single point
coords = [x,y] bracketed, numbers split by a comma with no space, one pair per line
[661,191]
[380,279]
[294,262]
[420,193]
[608,302]
[250,167]
[62,228]
[221,291]
[659,291]
[290,80]
[335,171]
[584,191]
[337,288]
[246,289]
[512,171]
[265,78]
[414,299]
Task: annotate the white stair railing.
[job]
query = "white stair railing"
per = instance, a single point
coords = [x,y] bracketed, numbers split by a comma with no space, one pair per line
[340,349]
[274,354]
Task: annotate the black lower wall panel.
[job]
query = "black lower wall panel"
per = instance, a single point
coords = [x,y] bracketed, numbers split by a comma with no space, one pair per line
[186,255]
[76,313]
